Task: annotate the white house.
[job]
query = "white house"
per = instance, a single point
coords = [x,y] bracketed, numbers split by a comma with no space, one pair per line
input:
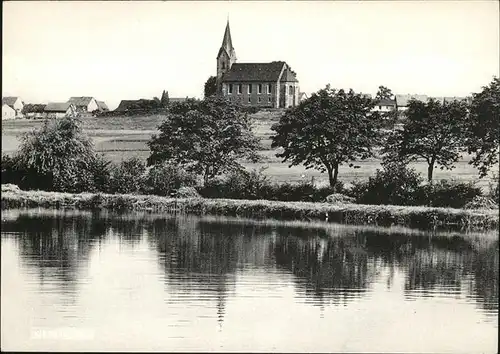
[384,105]
[8,112]
[84,104]
[60,110]
[15,103]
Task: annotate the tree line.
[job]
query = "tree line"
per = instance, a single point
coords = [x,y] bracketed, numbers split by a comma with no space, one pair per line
[210,137]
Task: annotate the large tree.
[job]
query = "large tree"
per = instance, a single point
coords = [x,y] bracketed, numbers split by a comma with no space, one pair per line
[384,93]
[206,137]
[483,128]
[59,156]
[330,128]
[210,88]
[434,131]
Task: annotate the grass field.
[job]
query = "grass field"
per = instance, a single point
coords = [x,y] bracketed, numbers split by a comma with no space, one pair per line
[353,214]
[119,138]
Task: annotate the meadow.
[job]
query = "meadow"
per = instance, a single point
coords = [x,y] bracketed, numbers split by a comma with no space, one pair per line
[119,138]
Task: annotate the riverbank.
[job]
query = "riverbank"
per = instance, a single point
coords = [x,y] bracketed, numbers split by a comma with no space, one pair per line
[353,214]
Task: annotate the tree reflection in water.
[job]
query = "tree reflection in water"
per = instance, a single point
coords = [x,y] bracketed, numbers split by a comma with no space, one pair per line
[202,258]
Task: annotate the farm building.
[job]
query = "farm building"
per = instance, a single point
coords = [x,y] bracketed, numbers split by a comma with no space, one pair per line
[34,110]
[60,110]
[385,105]
[84,104]
[102,106]
[272,85]
[8,112]
[15,103]
[403,100]
[136,105]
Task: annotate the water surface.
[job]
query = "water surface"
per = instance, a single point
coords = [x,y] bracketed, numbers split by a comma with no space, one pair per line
[82,281]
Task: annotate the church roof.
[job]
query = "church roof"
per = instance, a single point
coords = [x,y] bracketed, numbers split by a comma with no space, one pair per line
[227,43]
[289,76]
[254,71]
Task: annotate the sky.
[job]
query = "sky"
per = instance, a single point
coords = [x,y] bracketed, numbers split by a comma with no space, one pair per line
[130,50]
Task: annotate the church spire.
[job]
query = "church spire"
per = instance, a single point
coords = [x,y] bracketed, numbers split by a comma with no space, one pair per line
[227,43]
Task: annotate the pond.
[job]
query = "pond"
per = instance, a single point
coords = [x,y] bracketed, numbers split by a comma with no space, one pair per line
[77,281]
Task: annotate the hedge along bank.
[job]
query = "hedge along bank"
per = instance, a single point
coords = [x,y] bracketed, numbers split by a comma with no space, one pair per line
[354,214]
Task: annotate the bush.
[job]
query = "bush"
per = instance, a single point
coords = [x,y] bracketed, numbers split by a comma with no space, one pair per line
[10,170]
[446,193]
[57,157]
[128,177]
[165,179]
[481,202]
[238,185]
[396,184]
[187,192]
[101,170]
[255,185]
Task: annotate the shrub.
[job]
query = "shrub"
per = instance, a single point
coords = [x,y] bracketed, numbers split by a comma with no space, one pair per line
[238,185]
[164,179]
[128,177]
[339,198]
[446,193]
[101,170]
[255,185]
[396,184]
[481,202]
[57,157]
[10,170]
[187,192]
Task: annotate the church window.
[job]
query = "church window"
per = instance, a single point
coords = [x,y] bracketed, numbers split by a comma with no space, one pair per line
[258,99]
[269,88]
[269,99]
[291,90]
[249,100]
[249,88]
[240,86]
[259,89]
[230,88]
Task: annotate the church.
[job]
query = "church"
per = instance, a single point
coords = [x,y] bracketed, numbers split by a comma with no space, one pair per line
[265,85]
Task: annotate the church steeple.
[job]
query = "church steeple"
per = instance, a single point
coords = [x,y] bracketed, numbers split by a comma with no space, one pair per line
[226,57]
[227,43]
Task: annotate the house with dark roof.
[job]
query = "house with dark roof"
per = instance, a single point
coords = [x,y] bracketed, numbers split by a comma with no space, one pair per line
[60,110]
[31,110]
[15,103]
[136,105]
[272,85]
[403,100]
[84,104]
